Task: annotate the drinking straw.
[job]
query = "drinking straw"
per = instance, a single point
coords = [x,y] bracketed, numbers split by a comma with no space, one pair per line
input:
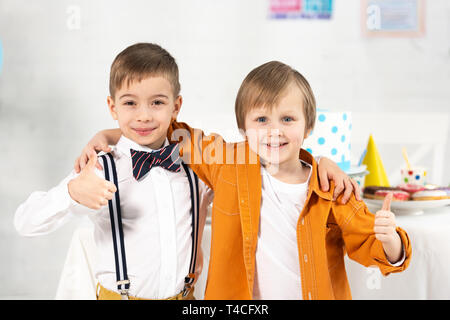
[405,156]
[361,159]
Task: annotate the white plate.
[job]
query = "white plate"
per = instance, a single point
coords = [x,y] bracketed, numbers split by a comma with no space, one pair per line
[356,170]
[408,207]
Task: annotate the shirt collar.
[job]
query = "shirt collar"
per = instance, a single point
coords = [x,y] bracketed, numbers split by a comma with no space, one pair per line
[314,180]
[124,145]
[314,175]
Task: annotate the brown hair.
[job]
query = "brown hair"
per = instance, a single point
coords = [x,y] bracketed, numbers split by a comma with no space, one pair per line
[265,85]
[140,61]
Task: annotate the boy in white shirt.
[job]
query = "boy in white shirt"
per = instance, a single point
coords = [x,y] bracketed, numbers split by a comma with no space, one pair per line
[157,252]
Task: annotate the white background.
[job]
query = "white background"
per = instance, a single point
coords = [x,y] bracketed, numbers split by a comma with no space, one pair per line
[54,83]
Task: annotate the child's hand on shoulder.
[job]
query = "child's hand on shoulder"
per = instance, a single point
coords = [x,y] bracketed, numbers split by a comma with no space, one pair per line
[330,171]
[98,143]
[89,189]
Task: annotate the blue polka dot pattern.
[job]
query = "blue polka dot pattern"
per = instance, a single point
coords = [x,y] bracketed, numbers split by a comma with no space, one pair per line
[417,177]
[331,137]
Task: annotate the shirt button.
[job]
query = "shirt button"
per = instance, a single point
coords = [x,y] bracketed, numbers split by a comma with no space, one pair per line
[306,258]
[309,295]
[303,221]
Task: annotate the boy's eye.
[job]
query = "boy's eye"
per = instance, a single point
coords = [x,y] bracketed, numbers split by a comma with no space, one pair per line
[288,119]
[261,119]
[129,103]
[158,102]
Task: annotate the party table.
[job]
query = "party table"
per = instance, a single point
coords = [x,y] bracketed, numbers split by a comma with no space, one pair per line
[428,275]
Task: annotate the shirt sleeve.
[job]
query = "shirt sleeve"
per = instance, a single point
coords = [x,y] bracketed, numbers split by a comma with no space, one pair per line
[400,262]
[44,212]
[356,222]
[203,154]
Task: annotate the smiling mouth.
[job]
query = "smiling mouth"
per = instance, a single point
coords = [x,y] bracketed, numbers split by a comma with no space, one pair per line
[275,145]
[143,131]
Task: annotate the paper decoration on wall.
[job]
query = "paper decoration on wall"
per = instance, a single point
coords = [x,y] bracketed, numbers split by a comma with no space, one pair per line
[73,21]
[301,9]
[393,18]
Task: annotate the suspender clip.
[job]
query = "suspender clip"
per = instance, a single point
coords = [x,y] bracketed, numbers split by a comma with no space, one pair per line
[188,281]
[121,282]
[123,292]
[187,289]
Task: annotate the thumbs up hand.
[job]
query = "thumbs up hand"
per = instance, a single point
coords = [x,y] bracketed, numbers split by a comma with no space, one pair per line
[89,189]
[385,231]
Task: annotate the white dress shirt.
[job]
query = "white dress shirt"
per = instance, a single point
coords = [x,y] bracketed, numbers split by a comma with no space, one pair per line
[156,219]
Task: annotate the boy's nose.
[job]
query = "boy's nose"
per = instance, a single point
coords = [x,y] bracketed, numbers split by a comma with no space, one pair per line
[144,114]
[274,131]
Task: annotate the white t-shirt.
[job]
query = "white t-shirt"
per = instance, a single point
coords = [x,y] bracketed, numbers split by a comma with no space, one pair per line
[277,273]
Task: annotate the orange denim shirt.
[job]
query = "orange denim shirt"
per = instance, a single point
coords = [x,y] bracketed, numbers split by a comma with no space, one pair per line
[326,230]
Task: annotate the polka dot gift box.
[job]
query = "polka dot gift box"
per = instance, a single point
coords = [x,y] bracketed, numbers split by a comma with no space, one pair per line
[331,137]
[414,175]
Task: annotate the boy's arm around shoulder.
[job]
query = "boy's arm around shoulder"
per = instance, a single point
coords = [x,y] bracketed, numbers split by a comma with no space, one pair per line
[204,154]
[357,226]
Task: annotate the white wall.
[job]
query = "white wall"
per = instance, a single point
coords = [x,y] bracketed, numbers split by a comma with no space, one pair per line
[54,80]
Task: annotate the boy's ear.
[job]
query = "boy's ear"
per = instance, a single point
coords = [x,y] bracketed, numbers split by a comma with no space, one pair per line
[177,107]
[112,107]
[307,133]
[243,134]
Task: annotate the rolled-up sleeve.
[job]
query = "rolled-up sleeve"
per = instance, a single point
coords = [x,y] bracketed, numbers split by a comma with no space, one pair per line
[356,223]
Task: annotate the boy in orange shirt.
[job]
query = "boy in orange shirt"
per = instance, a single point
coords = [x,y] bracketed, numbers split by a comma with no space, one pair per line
[275,233]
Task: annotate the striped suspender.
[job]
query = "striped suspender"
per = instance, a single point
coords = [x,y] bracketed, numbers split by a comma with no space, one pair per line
[195,206]
[123,283]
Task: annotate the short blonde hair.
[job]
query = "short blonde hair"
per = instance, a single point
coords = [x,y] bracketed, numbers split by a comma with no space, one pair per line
[140,61]
[265,85]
